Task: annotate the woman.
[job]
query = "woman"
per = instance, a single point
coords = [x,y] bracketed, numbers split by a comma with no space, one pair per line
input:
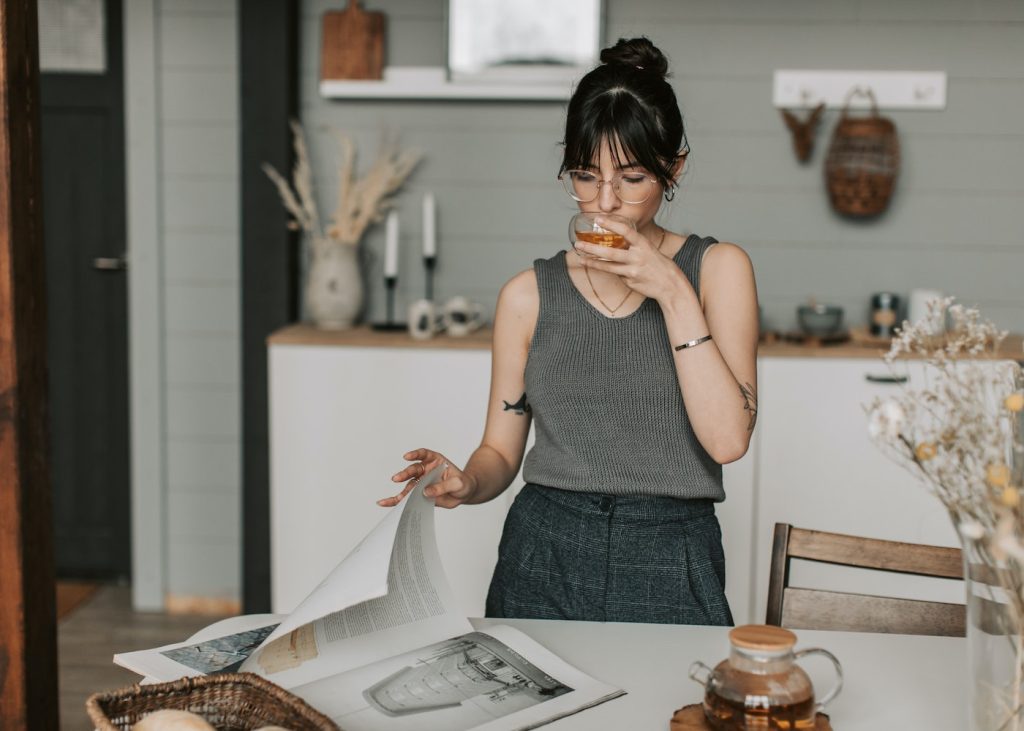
[637,367]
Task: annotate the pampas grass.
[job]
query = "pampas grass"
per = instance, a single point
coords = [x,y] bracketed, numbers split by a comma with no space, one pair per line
[362,200]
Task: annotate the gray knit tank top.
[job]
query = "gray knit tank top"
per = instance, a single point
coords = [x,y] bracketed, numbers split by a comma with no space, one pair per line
[608,412]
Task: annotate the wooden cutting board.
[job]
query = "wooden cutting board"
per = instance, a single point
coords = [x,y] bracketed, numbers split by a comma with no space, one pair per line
[353,44]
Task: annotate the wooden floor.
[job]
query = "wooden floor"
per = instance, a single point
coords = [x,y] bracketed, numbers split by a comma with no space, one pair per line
[88,637]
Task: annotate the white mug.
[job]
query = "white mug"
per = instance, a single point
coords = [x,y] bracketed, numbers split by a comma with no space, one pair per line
[460,316]
[917,307]
[424,320]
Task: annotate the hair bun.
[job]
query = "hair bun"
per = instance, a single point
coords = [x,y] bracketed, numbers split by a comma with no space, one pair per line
[639,53]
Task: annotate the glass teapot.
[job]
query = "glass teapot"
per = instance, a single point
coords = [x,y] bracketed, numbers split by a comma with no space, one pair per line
[760,686]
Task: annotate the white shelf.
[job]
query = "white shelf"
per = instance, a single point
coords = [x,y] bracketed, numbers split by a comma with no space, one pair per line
[419,82]
[892,89]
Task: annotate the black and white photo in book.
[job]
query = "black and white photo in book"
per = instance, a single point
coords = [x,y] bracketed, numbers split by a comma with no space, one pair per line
[456,684]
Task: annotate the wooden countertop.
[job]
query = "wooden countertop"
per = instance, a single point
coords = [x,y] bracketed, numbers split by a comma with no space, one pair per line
[365,337]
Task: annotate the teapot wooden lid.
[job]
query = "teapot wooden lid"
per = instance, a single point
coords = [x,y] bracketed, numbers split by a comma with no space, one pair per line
[691,718]
[763,637]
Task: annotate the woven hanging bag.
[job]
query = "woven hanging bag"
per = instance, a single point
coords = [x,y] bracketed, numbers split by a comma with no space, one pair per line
[863,161]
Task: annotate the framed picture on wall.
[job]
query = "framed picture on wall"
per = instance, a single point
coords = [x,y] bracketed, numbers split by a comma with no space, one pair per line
[522,42]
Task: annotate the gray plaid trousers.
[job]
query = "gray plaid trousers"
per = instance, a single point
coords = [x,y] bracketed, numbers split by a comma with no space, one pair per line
[607,558]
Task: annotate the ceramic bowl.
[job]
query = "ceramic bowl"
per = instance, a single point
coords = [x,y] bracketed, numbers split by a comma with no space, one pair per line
[820,320]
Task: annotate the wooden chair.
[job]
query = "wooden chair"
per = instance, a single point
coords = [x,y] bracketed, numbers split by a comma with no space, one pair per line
[799,608]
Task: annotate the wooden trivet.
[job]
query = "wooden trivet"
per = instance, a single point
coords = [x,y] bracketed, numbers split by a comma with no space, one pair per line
[691,718]
[798,336]
[863,336]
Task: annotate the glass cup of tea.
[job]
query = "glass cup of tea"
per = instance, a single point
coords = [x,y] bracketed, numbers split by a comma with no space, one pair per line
[584,227]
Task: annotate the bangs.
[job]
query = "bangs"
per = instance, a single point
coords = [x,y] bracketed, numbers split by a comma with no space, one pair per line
[620,118]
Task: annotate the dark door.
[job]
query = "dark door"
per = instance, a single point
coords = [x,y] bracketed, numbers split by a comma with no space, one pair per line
[84,232]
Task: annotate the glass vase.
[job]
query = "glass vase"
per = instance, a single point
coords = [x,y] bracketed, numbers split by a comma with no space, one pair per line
[995,652]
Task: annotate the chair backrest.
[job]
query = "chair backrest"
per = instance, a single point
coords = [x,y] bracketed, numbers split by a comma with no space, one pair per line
[799,608]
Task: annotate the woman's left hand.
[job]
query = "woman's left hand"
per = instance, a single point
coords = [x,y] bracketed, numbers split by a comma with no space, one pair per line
[642,267]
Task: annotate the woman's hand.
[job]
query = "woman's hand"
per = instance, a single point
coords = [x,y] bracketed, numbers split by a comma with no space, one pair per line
[642,267]
[454,488]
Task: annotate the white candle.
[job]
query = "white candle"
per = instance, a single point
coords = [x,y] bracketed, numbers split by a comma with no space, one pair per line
[429,227]
[391,245]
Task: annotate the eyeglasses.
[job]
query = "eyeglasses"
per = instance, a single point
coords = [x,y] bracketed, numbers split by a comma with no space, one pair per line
[630,187]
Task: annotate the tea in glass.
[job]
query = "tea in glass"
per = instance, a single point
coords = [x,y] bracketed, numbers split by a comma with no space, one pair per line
[584,227]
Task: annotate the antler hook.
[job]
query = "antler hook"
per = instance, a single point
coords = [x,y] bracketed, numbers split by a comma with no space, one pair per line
[803,131]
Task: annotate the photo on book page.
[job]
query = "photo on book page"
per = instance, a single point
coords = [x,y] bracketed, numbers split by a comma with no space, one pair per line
[474,669]
[490,679]
[219,648]
[222,654]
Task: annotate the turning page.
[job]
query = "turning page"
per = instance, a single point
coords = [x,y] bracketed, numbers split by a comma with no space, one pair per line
[388,595]
[416,605]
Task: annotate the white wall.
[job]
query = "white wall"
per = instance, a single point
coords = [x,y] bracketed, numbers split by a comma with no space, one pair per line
[954,223]
[200,140]
[186,476]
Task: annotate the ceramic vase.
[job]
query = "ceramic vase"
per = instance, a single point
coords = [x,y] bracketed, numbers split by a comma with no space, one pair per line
[334,286]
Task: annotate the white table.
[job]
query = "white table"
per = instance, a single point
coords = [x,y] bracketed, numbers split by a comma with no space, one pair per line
[892,681]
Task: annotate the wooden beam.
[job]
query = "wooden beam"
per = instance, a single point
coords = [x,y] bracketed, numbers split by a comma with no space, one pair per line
[28,637]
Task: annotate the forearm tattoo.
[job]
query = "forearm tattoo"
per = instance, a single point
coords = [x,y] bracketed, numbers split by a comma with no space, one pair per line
[520,407]
[749,403]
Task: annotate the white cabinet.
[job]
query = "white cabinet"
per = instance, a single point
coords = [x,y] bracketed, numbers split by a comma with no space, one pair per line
[342,415]
[340,419]
[818,468]
[736,516]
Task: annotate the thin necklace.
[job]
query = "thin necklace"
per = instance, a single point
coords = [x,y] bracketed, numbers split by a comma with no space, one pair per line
[629,293]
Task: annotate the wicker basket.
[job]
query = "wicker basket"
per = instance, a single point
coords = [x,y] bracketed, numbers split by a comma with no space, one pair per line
[228,701]
[863,161]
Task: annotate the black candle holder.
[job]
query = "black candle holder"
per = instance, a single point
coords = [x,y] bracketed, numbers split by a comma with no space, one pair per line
[390,324]
[429,262]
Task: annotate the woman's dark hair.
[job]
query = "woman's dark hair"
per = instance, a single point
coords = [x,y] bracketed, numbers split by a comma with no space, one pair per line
[626,100]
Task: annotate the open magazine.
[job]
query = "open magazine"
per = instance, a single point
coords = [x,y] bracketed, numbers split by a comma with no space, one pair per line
[378,645]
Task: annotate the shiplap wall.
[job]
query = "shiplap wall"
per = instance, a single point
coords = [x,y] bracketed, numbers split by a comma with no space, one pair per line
[954,225]
[198,136]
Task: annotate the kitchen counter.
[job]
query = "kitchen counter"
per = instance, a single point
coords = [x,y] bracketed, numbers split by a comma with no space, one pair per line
[365,337]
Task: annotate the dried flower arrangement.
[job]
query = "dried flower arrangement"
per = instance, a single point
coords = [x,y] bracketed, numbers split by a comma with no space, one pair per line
[960,433]
[334,288]
[362,200]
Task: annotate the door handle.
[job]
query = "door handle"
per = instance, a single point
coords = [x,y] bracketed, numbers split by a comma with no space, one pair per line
[886,379]
[110,263]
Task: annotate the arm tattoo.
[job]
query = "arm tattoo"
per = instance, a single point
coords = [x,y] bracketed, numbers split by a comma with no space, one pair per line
[520,407]
[749,403]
